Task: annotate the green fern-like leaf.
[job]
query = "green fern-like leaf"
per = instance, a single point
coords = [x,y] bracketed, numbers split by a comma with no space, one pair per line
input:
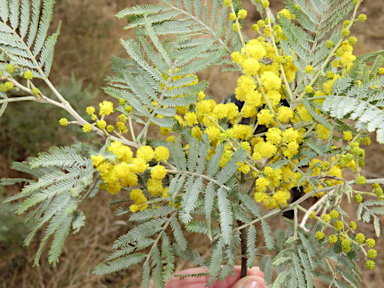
[367,114]
[62,177]
[24,35]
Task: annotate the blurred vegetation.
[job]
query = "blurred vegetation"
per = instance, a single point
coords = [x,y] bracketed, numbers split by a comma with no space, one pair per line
[13,230]
[89,36]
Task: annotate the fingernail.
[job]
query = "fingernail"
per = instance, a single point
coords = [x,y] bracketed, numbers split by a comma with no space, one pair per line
[252,284]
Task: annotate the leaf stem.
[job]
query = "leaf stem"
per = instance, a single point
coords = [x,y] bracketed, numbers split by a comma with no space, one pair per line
[143,133]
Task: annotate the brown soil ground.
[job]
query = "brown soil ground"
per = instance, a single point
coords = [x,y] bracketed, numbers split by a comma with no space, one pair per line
[89,35]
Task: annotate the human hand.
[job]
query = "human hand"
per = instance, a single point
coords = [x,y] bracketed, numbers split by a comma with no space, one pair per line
[255,279]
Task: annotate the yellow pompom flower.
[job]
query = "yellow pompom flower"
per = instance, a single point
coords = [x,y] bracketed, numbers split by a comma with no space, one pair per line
[292,149]
[347,135]
[347,59]
[243,168]
[10,68]
[146,153]
[232,17]
[170,139]
[308,69]
[162,154]
[250,66]
[139,165]
[180,120]
[282,197]
[122,118]
[35,91]
[273,135]
[128,108]
[303,113]
[205,106]
[270,80]
[138,196]
[242,14]
[284,13]
[345,32]
[322,132]
[97,159]
[260,197]
[7,86]
[243,132]
[123,152]
[246,146]
[253,98]
[265,3]
[362,17]
[90,110]
[165,131]
[327,86]
[158,172]
[227,3]
[196,132]
[262,183]
[264,117]
[256,51]
[266,149]
[274,97]
[155,186]
[213,132]
[101,124]
[106,108]
[121,170]
[245,83]
[291,135]
[308,89]
[113,188]
[256,156]
[221,111]
[234,27]
[261,23]
[233,112]
[284,114]
[190,118]
[200,95]
[255,27]
[28,75]
[236,57]
[63,121]
[134,208]
[87,128]
[110,128]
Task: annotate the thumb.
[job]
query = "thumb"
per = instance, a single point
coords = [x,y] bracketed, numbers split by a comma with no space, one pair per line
[250,282]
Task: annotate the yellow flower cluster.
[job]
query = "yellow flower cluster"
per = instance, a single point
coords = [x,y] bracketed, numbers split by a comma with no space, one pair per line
[123,170]
[261,88]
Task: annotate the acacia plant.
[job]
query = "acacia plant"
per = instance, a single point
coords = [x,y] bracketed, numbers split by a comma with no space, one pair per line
[212,175]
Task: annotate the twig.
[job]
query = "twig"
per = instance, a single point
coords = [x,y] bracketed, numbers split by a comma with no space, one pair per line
[310,210]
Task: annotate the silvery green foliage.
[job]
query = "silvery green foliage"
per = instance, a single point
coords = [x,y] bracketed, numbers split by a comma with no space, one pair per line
[204,198]
[202,40]
[24,40]
[65,178]
[316,19]
[362,102]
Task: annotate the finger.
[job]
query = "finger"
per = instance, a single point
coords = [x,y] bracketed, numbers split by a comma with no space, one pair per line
[255,271]
[193,282]
[250,282]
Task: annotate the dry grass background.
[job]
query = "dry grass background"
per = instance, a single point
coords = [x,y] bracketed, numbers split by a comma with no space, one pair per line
[89,35]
